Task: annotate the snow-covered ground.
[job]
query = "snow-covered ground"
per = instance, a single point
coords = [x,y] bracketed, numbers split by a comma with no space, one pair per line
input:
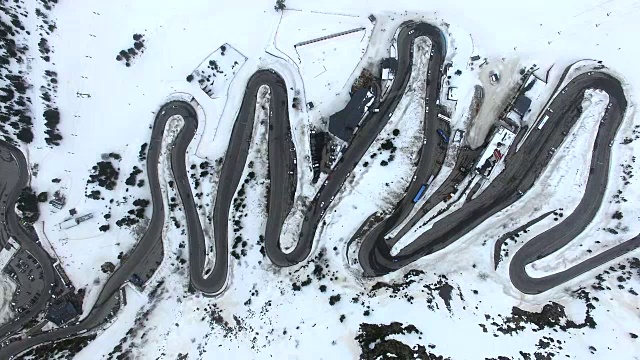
[496,96]
[215,73]
[385,171]
[562,184]
[324,77]
[7,288]
[605,231]
[267,312]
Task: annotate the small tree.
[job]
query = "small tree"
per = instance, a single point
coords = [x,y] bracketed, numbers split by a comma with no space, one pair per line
[280,5]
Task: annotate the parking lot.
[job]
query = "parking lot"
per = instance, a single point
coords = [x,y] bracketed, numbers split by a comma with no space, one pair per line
[27,273]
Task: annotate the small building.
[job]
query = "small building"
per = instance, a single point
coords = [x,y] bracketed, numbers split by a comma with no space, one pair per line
[522,105]
[63,275]
[67,224]
[389,68]
[494,77]
[458,135]
[475,58]
[61,312]
[56,204]
[372,19]
[387,74]
[495,151]
[7,252]
[452,94]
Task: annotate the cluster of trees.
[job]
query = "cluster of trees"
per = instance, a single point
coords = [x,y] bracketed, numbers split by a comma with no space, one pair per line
[51,121]
[43,46]
[134,215]
[131,53]
[15,112]
[27,204]
[142,155]
[280,5]
[296,103]
[375,342]
[105,174]
[132,179]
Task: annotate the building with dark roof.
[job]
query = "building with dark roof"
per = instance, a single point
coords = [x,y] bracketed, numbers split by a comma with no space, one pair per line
[61,312]
[521,105]
[344,122]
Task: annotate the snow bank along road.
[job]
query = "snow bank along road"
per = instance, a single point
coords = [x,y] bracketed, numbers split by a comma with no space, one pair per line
[522,169]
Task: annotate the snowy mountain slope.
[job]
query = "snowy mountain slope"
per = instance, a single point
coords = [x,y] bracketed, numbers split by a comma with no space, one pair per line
[320,309]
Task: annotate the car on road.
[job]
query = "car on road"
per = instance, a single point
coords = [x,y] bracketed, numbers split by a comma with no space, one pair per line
[444,136]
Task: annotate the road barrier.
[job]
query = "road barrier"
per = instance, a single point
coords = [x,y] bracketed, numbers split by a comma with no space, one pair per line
[327,37]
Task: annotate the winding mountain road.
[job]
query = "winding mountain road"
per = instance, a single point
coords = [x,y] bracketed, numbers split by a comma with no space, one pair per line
[522,169]
[14,177]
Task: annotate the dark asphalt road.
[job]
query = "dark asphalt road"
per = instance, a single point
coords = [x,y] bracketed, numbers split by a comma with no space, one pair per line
[371,127]
[281,169]
[466,158]
[153,237]
[560,235]
[522,169]
[15,176]
[282,166]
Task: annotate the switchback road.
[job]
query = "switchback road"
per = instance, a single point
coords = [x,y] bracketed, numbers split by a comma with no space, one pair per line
[522,169]
[366,135]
